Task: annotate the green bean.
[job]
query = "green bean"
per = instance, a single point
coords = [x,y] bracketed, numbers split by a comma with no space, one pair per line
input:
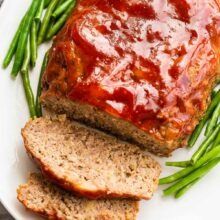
[199,173]
[39,88]
[52,21]
[28,93]
[217,141]
[207,125]
[185,189]
[13,45]
[27,56]
[199,127]
[193,138]
[39,13]
[62,8]
[214,143]
[33,43]
[61,21]
[214,92]
[60,3]
[178,164]
[203,147]
[19,55]
[34,32]
[46,3]
[209,148]
[46,21]
[215,152]
[26,81]
[213,121]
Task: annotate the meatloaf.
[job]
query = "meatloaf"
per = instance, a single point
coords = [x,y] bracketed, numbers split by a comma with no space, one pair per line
[88,162]
[42,197]
[140,69]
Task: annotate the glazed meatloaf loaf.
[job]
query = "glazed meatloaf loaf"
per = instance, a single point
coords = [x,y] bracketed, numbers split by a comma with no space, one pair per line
[44,198]
[88,162]
[140,69]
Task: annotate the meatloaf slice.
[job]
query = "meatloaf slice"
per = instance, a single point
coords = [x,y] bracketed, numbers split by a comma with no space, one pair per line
[44,198]
[140,69]
[89,162]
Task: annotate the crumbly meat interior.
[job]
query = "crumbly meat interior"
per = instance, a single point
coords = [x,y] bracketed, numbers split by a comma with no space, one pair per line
[90,162]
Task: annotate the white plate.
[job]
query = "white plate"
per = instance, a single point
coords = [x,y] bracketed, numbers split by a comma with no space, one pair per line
[200,203]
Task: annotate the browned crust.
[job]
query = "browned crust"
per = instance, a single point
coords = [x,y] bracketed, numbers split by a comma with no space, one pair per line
[73,187]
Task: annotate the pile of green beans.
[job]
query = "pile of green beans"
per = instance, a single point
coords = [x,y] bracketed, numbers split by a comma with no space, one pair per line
[41,22]
[204,159]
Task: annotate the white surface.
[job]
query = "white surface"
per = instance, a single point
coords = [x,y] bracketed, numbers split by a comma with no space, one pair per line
[201,203]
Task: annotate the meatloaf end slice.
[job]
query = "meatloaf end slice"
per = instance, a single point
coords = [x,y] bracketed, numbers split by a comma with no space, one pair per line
[89,162]
[42,197]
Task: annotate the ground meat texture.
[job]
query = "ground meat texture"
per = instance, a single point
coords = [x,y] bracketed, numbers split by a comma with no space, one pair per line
[88,162]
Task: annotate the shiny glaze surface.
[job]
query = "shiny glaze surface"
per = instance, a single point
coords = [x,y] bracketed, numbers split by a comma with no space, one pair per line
[150,62]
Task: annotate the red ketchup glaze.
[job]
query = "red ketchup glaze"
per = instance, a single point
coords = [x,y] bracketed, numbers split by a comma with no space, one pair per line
[145,61]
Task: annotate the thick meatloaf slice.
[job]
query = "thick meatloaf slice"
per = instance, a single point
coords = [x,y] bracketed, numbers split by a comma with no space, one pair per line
[44,198]
[89,162]
[140,69]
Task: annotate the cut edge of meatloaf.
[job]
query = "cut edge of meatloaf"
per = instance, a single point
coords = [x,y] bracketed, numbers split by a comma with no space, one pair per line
[96,118]
[89,162]
[125,130]
[42,197]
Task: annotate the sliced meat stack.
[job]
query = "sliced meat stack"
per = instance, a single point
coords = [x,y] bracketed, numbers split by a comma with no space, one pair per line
[89,162]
